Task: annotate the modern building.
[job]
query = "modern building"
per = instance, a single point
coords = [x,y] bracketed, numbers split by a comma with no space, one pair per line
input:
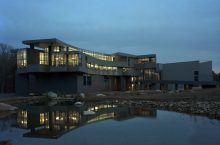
[53,65]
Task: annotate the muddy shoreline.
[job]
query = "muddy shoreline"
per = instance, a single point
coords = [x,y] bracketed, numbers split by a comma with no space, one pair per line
[196,102]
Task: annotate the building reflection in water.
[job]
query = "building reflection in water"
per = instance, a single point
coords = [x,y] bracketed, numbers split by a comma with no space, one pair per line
[52,122]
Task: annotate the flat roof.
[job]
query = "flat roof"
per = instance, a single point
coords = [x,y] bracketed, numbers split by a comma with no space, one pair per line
[44,43]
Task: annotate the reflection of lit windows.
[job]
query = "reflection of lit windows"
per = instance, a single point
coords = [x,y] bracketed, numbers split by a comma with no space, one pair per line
[21,58]
[101,106]
[102,117]
[41,118]
[44,117]
[22,118]
[74,117]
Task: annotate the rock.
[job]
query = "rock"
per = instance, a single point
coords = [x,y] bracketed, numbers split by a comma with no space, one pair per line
[100,95]
[78,104]
[82,95]
[170,105]
[7,107]
[52,94]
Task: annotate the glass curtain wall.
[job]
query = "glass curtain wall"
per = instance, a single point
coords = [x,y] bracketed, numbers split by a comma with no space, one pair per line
[21,58]
[74,59]
[43,58]
[58,59]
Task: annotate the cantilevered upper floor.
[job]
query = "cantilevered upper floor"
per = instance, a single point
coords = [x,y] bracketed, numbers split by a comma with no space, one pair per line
[53,55]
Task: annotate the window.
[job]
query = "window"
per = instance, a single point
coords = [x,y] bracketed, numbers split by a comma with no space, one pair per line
[87,80]
[129,61]
[106,78]
[21,58]
[142,60]
[196,78]
[56,49]
[196,75]
[196,72]
[74,59]
[58,59]
[100,67]
[84,80]
[43,58]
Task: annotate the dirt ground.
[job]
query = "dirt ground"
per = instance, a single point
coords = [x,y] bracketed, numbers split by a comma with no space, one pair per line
[212,94]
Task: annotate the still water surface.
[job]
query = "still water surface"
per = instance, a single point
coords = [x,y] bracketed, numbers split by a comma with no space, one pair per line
[112,124]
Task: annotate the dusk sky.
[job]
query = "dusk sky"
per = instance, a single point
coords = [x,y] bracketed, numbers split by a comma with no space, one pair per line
[175,30]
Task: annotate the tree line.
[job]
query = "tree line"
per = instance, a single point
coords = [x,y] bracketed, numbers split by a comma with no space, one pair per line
[7,68]
[216,76]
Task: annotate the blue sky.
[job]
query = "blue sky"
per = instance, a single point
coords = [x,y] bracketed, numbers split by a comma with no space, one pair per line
[176,30]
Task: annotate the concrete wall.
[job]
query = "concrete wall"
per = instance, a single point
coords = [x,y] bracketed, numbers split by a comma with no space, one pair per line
[182,71]
[205,71]
[44,82]
[21,84]
[56,82]
[99,83]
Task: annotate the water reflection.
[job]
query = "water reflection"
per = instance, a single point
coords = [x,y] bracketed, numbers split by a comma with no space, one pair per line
[54,121]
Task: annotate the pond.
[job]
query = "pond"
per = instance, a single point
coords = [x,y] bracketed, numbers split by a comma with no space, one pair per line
[106,123]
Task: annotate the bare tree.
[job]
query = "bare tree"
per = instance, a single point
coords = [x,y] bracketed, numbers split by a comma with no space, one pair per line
[7,68]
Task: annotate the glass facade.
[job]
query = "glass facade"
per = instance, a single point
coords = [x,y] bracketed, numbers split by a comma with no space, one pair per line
[43,58]
[22,118]
[100,67]
[58,59]
[44,118]
[21,58]
[74,59]
[99,55]
[149,74]
[146,59]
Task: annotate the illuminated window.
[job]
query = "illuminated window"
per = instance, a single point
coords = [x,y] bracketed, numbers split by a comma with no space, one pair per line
[21,58]
[74,59]
[100,67]
[142,60]
[58,59]
[99,55]
[43,58]
[73,49]
[56,49]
